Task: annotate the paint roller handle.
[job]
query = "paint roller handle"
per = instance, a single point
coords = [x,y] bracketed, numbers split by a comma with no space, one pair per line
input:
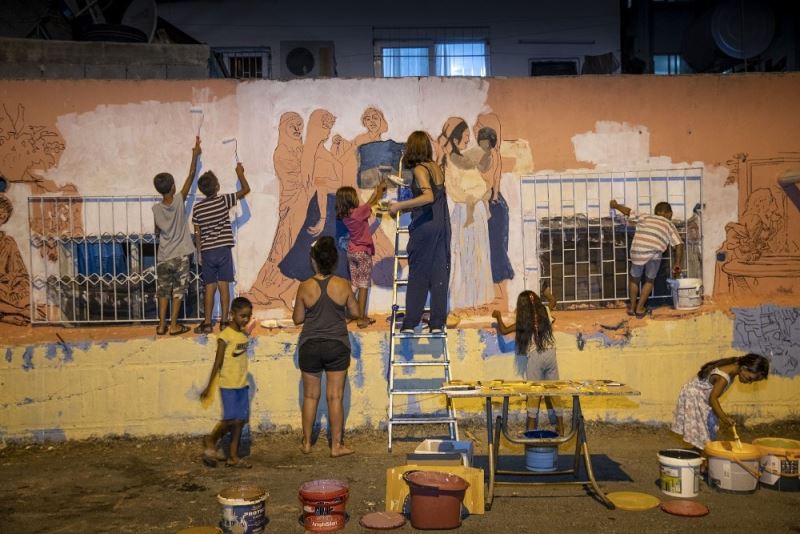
[753,472]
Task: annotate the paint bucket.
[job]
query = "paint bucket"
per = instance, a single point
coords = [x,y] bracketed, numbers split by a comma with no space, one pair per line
[542,458]
[435,499]
[687,293]
[324,504]
[780,460]
[243,509]
[680,472]
[733,468]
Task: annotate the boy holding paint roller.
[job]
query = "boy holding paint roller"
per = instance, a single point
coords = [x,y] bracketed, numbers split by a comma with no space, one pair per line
[212,224]
[174,245]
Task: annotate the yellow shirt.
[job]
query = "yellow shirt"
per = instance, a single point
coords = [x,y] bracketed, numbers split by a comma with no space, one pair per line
[233,374]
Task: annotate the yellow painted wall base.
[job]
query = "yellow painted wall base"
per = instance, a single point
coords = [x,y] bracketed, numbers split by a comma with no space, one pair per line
[151,387]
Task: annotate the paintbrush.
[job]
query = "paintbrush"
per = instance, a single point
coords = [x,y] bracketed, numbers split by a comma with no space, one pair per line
[197,112]
[736,436]
[235,146]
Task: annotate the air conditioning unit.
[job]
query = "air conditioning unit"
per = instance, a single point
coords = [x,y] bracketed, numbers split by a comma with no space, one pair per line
[307,59]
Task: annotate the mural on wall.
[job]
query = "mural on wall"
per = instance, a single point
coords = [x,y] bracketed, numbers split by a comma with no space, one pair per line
[488,136]
[773,331]
[26,149]
[760,250]
[480,262]
[14,281]
[310,185]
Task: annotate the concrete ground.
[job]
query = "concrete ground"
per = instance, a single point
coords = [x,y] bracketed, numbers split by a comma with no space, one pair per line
[159,485]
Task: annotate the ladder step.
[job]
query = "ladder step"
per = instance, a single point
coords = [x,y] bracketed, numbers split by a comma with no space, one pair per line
[400,335]
[401,281]
[402,309]
[421,364]
[402,229]
[422,420]
[416,392]
[402,256]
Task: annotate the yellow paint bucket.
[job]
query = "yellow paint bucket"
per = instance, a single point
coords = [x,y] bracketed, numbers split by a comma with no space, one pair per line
[732,467]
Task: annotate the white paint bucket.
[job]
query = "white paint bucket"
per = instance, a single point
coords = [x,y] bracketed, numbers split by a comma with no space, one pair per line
[687,293]
[680,472]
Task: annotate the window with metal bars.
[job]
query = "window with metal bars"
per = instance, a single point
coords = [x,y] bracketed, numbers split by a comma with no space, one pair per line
[93,260]
[403,52]
[243,63]
[580,248]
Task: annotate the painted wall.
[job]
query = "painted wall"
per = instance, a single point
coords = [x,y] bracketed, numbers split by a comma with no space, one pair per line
[110,138]
[142,386]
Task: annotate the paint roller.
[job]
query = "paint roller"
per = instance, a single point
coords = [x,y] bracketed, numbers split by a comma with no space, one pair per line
[197,118]
[235,146]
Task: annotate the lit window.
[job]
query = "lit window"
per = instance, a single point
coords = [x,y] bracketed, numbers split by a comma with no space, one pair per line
[431,52]
[670,64]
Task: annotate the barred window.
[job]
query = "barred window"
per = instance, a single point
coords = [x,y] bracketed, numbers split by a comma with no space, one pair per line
[403,52]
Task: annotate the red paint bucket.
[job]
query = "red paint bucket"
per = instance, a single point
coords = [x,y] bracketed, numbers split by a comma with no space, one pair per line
[435,499]
[324,504]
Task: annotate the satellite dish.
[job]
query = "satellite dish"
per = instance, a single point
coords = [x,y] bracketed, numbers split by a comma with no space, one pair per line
[300,61]
[743,28]
[142,15]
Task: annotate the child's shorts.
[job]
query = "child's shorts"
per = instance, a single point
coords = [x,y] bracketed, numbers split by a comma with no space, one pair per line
[360,264]
[173,277]
[217,265]
[235,404]
[650,269]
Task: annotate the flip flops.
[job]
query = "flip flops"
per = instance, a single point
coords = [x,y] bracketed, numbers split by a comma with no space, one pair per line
[159,332]
[641,315]
[182,330]
[241,464]
[203,328]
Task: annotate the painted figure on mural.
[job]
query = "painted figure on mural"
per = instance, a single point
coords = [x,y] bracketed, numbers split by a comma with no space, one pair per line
[487,133]
[294,194]
[471,283]
[347,153]
[323,175]
[14,283]
[758,229]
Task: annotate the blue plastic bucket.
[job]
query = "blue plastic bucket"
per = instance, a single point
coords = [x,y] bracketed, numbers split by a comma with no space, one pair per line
[243,510]
[542,458]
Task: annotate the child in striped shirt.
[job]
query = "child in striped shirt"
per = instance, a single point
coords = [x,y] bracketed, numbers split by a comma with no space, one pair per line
[654,233]
[214,236]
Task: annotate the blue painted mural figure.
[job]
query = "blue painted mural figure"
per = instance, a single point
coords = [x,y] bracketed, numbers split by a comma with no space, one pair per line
[488,134]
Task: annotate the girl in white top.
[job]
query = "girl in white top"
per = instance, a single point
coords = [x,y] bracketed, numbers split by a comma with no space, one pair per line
[698,412]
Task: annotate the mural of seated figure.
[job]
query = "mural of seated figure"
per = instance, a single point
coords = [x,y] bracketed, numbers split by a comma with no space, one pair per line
[14,282]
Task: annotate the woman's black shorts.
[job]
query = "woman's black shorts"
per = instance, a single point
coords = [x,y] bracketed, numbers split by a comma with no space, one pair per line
[317,355]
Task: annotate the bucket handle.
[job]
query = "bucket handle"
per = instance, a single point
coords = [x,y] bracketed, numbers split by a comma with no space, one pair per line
[750,470]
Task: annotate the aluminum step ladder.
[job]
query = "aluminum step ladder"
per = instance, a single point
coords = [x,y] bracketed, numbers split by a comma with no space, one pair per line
[398,360]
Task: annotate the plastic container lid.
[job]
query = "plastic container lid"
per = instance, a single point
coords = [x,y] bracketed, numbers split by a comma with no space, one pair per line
[633,501]
[685,508]
[382,520]
[730,450]
[778,446]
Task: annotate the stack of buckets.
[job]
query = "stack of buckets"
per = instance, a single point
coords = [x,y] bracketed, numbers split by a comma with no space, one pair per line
[542,458]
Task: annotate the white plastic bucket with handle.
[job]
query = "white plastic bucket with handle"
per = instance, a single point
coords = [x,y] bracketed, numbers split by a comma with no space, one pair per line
[687,293]
[680,472]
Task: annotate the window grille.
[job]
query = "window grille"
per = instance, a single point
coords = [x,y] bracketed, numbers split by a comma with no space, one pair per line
[243,63]
[402,52]
[575,244]
[93,261]
[670,64]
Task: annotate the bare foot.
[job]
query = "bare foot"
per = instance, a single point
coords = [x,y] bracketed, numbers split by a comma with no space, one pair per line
[306,448]
[341,450]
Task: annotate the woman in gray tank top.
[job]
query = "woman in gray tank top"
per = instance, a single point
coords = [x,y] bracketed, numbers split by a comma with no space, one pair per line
[321,306]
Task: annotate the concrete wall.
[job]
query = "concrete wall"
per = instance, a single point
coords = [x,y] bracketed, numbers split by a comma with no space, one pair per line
[570,29]
[39,59]
[63,138]
[141,386]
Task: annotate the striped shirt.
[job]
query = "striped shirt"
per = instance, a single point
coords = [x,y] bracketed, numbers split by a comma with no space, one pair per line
[654,234]
[212,216]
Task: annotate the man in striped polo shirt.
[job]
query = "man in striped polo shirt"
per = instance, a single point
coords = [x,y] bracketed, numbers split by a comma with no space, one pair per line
[654,233]
[214,236]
